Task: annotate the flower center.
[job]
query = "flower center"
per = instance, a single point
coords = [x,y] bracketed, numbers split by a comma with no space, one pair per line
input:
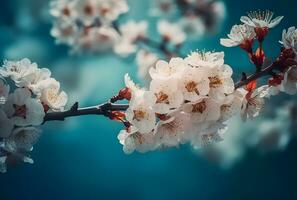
[162,98]
[138,115]
[225,107]
[104,11]
[139,138]
[214,82]
[88,9]
[199,107]
[66,11]
[192,87]
[20,111]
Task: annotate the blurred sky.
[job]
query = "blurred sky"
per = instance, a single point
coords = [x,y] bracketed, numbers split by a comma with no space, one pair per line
[82,159]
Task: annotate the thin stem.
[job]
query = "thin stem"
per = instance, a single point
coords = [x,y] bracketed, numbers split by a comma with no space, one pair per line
[102,109]
[256,76]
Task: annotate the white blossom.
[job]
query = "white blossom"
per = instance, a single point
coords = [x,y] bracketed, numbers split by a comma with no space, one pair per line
[21,72]
[64,9]
[289,38]
[238,35]
[171,32]
[145,60]
[97,40]
[173,131]
[203,110]
[65,32]
[133,140]
[194,83]
[168,96]
[164,70]
[16,147]
[261,19]
[23,109]
[220,82]
[254,102]
[52,96]
[131,32]
[233,104]
[110,10]
[205,59]
[140,112]
[23,139]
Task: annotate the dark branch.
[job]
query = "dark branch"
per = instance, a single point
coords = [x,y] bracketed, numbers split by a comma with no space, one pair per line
[102,109]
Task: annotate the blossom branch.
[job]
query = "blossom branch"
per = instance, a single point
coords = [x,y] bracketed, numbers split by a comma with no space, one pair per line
[102,109]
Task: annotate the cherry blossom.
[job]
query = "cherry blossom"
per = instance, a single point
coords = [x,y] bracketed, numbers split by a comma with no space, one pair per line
[289,38]
[240,35]
[145,60]
[261,19]
[171,32]
[23,109]
[21,72]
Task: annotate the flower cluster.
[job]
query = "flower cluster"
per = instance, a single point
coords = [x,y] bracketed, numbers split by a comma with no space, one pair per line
[256,27]
[196,17]
[87,25]
[23,106]
[189,100]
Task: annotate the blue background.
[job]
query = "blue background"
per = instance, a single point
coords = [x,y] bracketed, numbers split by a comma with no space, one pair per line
[82,159]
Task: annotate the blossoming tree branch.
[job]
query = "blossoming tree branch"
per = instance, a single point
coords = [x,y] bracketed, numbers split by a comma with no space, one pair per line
[189,99]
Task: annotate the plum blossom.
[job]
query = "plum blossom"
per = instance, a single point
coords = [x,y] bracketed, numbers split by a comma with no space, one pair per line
[65,32]
[23,109]
[16,147]
[140,112]
[52,97]
[220,82]
[168,70]
[171,32]
[168,96]
[233,104]
[173,131]
[289,38]
[203,110]
[97,39]
[21,72]
[64,9]
[205,59]
[194,83]
[133,140]
[239,35]
[131,33]
[261,19]
[254,102]
[145,60]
